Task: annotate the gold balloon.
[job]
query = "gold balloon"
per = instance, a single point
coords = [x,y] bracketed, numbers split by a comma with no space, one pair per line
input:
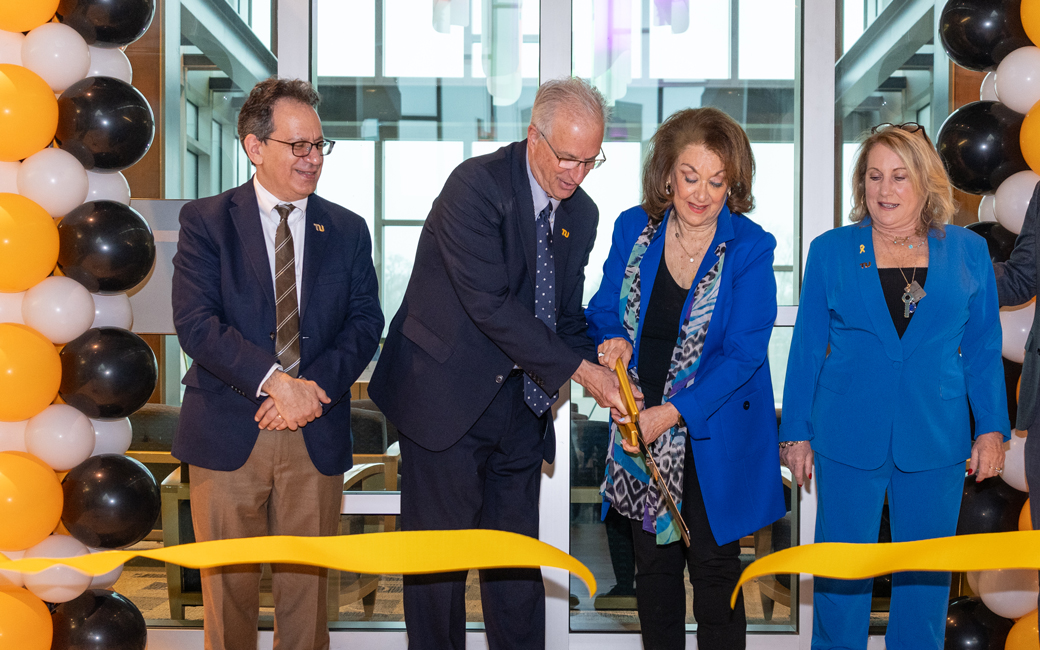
[30,502]
[1029,138]
[23,15]
[30,373]
[28,113]
[1023,636]
[1025,520]
[28,243]
[25,622]
[1030,13]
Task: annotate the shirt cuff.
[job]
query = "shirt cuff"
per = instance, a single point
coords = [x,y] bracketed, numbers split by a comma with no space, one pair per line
[259,389]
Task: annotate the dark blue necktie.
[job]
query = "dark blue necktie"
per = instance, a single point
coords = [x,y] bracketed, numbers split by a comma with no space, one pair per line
[544,304]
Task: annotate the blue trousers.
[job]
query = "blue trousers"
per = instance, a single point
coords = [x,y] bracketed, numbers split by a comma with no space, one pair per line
[921,505]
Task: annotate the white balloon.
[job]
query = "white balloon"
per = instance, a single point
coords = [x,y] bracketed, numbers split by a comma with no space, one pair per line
[12,435]
[1016,322]
[986,207]
[107,187]
[988,91]
[59,308]
[112,310]
[60,436]
[11,47]
[59,583]
[11,307]
[12,579]
[973,580]
[1018,79]
[1012,199]
[54,179]
[1010,593]
[112,436]
[106,62]
[57,53]
[9,177]
[1015,463]
[105,580]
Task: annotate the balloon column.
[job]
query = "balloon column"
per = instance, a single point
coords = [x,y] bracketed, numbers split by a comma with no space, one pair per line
[70,370]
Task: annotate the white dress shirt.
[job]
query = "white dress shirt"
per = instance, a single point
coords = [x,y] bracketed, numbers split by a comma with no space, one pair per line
[269,220]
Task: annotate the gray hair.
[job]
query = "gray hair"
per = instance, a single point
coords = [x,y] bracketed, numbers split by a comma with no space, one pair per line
[567,94]
[257,114]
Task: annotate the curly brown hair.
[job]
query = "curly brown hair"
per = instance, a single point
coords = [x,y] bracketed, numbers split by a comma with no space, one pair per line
[721,135]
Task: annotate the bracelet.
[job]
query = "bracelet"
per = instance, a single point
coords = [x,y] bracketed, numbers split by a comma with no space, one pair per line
[784,444]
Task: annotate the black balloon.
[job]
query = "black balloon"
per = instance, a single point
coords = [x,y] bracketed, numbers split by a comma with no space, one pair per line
[970,625]
[98,620]
[1000,240]
[107,372]
[108,23]
[111,501]
[105,123]
[991,506]
[978,34]
[106,246]
[978,143]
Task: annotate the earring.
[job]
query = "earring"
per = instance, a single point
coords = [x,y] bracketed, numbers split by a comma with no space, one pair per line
[668,188]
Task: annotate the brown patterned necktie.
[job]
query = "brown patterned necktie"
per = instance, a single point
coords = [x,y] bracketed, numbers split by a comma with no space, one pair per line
[287,308]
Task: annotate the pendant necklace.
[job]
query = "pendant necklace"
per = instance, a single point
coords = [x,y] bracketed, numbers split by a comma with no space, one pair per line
[913,292]
[692,257]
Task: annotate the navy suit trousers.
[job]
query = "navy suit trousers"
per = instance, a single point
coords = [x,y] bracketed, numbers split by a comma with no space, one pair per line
[489,479]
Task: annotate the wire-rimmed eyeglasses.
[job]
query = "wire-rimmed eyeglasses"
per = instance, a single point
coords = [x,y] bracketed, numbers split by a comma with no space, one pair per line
[572,163]
[302,148]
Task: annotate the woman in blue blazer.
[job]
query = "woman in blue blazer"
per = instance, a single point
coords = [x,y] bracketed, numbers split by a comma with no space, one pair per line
[688,301]
[897,332]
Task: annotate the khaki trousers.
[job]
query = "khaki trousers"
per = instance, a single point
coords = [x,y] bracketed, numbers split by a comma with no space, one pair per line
[277,492]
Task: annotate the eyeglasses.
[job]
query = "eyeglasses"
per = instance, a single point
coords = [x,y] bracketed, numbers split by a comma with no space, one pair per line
[909,127]
[302,148]
[572,163]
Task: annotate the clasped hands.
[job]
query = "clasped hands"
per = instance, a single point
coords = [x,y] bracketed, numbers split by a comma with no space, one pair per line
[653,421]
[291,403]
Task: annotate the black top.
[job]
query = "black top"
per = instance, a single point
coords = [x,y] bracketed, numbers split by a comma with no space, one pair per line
[893,285]
[661,326]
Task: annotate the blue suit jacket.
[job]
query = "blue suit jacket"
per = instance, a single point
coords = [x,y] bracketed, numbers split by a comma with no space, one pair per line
[874,391]
[468,314]
[729,408]
[223,309]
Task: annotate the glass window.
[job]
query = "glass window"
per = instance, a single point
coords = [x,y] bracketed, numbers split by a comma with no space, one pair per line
[191,119]
[191,175]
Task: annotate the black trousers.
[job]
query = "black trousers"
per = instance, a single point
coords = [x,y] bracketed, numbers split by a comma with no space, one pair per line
[714,571]
[1032,461]
[488,479]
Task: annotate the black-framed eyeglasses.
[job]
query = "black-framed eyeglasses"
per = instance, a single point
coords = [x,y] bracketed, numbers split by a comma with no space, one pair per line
[302,148]
[572,163]
[909,127]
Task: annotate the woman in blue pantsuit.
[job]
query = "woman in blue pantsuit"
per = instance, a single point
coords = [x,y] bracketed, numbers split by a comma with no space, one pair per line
[897,332]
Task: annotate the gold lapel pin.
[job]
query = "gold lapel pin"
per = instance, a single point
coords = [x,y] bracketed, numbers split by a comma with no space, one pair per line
[862,249]
[319,227]
[864,265]
[564,232]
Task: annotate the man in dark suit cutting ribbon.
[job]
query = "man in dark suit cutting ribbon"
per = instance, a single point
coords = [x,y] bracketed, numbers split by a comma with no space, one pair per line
[265,421]
[491,326]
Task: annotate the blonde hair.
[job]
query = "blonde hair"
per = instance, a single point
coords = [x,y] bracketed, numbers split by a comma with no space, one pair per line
[924,168]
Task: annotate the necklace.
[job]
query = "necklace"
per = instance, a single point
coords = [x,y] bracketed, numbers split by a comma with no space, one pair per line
[903,241]
[693,257]
[913,292]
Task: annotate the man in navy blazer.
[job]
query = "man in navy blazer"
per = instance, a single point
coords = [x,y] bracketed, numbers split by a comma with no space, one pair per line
[491,325]
[265,420]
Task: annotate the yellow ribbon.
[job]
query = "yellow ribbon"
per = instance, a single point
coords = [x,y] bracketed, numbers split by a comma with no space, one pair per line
[406,552]
[986,552]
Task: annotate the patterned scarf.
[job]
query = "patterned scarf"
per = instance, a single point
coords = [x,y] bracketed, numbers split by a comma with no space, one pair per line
[627,484]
